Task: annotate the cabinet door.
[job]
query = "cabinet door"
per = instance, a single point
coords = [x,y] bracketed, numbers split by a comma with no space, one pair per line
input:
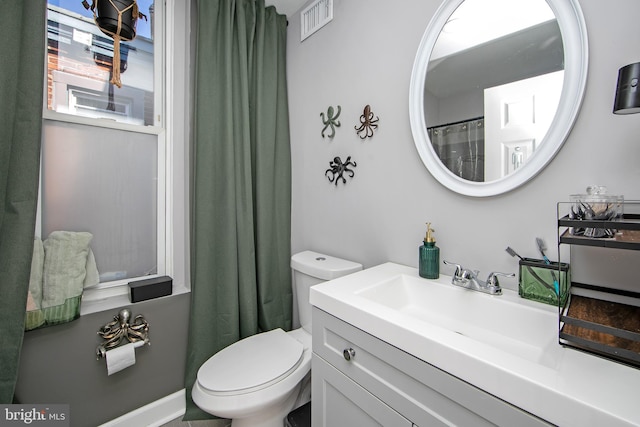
[338,401]
[419,391]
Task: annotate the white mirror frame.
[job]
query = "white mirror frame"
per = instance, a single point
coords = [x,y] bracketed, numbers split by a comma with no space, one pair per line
[576,52]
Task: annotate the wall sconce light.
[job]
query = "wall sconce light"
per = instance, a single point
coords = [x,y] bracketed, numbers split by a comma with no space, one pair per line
[628,90]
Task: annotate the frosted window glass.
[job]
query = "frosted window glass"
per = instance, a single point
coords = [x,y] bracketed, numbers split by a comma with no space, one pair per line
[103,181]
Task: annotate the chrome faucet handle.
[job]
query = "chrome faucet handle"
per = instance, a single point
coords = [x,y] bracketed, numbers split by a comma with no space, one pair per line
[459,269]
[492,280]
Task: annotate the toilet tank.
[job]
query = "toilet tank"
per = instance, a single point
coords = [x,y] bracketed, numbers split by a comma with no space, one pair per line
[310,268]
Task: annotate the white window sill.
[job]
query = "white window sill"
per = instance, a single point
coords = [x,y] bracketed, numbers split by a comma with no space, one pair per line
[117,299]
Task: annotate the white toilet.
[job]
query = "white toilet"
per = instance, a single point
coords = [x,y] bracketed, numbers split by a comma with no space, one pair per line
[257,381]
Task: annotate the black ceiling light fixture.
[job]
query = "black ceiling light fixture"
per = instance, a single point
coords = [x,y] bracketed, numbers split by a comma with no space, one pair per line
[627,92]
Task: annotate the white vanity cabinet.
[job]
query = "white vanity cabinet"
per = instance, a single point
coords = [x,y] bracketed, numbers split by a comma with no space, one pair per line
[360,380]
[345,403]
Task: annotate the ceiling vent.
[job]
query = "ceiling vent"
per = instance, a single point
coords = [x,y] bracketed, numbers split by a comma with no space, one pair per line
[315,16]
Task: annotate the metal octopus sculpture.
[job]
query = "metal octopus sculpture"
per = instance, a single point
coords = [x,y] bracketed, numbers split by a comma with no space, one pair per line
[338,169]
[115,331]
[367,123]
[330,121]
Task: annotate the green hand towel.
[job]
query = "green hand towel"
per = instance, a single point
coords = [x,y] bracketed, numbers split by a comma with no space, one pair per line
[64,266]
[34,317]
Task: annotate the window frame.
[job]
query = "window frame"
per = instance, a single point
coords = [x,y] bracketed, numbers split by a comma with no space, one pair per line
[171,139]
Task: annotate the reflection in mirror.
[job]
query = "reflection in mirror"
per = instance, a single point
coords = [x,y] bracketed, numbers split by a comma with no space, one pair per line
[493,85]
[460,147]
[493,125]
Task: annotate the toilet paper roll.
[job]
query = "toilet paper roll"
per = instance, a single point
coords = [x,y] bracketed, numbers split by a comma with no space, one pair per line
[120,358]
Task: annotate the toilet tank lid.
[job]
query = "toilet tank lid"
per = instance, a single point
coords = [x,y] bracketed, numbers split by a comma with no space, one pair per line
[323,266]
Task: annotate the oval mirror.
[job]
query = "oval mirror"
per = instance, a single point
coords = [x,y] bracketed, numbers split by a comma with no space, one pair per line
[495,89]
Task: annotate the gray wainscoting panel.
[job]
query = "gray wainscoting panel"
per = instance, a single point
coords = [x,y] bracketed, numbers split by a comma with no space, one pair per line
[58,364]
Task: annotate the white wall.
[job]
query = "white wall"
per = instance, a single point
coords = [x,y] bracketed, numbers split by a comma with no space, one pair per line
[365,56]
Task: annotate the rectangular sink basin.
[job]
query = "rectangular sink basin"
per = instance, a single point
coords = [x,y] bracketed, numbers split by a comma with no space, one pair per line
[502,344]
[525,331]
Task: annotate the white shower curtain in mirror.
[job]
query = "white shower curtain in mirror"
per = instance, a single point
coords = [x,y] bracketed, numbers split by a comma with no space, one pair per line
[460,147]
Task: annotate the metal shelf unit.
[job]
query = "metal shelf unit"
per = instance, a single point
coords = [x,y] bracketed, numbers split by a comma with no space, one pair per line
[604,321]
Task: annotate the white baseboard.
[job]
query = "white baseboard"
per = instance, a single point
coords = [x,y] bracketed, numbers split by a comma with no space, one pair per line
[155,414]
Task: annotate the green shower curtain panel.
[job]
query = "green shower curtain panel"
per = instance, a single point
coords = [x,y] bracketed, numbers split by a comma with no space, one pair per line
[22,32]
[241,181]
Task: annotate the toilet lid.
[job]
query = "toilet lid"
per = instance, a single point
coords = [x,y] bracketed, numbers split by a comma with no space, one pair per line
[251,364]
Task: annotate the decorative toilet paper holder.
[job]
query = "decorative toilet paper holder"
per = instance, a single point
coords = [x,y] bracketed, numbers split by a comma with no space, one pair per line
[114,332]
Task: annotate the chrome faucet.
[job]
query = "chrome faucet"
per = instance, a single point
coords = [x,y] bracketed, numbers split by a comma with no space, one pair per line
[466,278]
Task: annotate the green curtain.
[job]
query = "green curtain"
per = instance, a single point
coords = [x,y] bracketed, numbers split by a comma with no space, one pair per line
[22,31]
[241,181]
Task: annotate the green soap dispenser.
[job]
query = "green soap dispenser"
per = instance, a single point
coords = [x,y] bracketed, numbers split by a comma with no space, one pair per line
[429,262]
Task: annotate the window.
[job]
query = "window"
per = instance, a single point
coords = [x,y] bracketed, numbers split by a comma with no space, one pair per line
[108,163]
[80,66]
[105,183]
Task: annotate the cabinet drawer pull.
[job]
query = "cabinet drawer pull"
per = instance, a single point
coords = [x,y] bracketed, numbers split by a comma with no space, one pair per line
[348,353]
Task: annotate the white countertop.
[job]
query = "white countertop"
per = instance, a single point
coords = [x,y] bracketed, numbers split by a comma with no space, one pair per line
[565,387]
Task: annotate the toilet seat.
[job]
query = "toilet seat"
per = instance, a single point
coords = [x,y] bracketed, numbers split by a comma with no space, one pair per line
[251,364]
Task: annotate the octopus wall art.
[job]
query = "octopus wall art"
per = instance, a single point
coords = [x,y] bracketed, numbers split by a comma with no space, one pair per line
[330,121]
[338,168]
[368,124]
